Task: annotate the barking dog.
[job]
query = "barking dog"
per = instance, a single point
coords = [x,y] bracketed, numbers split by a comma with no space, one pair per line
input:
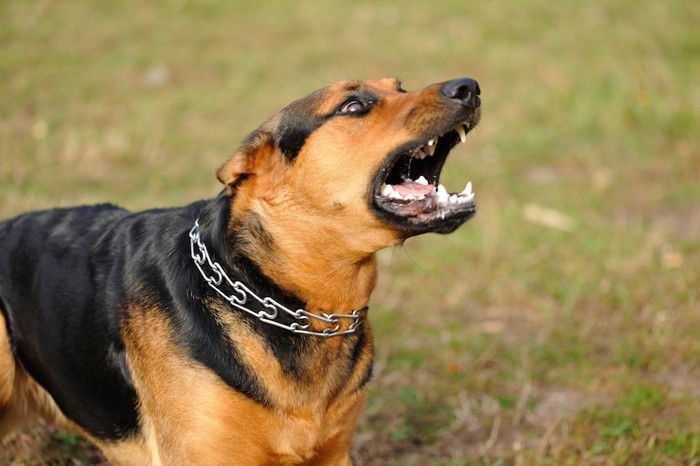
[232,331]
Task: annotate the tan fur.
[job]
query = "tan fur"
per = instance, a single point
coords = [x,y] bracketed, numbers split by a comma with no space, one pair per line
[191,417]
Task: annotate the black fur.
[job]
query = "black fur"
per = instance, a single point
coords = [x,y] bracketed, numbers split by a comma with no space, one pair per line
[62,319]
[293,136]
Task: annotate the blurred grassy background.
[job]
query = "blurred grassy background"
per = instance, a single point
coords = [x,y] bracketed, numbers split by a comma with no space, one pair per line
[560,326]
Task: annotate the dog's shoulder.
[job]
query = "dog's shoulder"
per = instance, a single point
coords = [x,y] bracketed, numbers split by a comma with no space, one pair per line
[67,276]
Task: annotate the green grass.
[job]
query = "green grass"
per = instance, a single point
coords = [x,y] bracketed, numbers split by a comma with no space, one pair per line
[523,338]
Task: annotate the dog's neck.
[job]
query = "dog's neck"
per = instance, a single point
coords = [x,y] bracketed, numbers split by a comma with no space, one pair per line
[302,265]
[326,279]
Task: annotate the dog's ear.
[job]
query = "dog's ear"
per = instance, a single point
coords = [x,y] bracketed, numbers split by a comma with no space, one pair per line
[247,159]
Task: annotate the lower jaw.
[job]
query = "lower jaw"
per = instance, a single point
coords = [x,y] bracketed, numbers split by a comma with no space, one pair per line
[415,219]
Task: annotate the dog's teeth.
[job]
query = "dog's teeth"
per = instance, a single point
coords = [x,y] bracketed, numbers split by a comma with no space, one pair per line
[395,195]
[420,197]
[453,198]
[462,133]
[409,197]
[442,195]
[421,180]
[417,153]
[467,189]
[387,189]
[430,148]
[431,142]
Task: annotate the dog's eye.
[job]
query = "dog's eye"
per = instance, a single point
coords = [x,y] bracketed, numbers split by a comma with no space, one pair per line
[354,106]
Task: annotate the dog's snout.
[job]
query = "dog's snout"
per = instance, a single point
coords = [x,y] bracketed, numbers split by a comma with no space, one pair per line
[464,90]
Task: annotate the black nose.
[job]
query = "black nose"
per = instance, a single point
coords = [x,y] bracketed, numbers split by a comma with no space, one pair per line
[465,90]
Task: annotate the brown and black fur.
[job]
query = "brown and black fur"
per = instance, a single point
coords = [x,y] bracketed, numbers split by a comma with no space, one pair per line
[108,329]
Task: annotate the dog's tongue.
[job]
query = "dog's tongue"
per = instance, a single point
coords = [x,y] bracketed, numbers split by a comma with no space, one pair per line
[413,188]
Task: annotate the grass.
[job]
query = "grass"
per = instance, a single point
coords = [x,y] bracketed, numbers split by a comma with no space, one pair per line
[560,326]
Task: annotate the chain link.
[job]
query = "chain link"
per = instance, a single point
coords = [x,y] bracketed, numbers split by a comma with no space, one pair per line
[241,296]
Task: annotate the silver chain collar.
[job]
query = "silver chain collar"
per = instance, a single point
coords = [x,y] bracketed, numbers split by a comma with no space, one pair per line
[272,309]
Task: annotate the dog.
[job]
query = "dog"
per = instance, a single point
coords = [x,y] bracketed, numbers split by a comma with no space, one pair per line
[232,331]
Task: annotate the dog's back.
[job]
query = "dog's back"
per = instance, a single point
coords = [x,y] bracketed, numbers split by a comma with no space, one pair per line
[50,301]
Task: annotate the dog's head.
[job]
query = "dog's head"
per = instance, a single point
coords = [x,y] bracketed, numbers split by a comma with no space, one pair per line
[358,159]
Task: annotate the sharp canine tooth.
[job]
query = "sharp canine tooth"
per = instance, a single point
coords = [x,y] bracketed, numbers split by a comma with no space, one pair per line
[442,195]
[467,189]
[387,189]
[461,132]
[421,180]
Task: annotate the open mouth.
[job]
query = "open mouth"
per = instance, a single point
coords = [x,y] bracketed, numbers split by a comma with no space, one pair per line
[407,189]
